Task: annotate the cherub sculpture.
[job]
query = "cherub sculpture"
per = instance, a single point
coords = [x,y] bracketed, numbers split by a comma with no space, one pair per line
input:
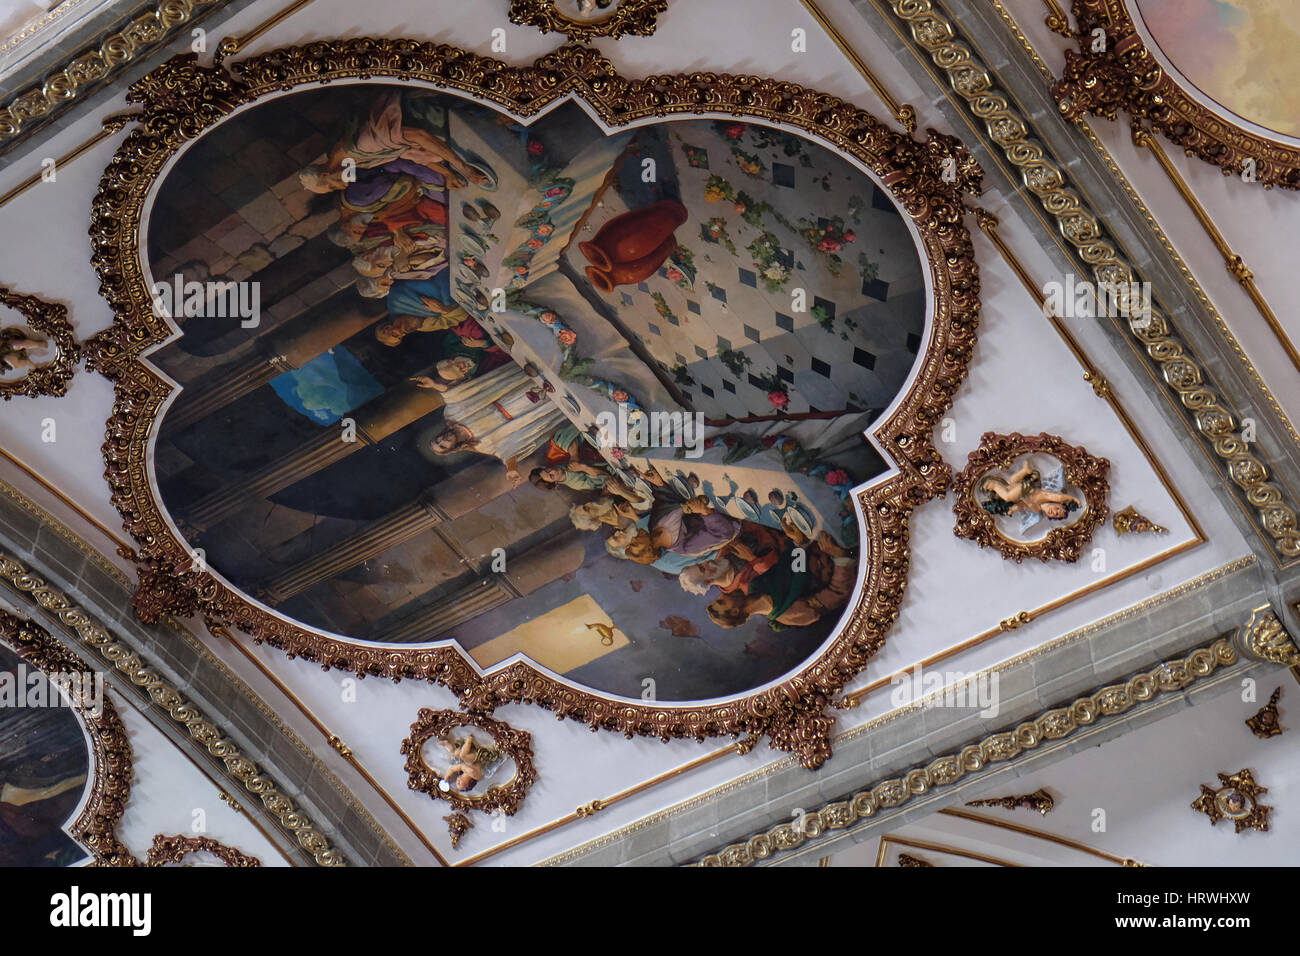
[1029,494]
[14,346]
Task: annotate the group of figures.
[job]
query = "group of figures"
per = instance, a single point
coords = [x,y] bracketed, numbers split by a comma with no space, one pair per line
[780,575]
[394,171]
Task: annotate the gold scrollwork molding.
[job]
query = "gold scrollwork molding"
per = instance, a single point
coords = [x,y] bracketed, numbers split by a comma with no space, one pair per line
[1184,375]
[114,52]
[1113,70]
[1054,724]
[629,18]
[48,377]
[1265,638]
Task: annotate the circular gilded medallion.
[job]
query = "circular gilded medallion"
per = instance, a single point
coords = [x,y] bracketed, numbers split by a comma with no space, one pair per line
[1030,496]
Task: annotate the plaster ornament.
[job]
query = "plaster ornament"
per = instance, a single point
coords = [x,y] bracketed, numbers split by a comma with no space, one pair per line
[1265,722]
[1235,801]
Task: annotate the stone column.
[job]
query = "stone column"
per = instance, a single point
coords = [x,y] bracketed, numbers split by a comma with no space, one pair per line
[291,346]
[524,574]
[446,501]
[375,421]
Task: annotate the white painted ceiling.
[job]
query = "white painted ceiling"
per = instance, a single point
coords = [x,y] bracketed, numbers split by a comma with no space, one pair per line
[1023,378]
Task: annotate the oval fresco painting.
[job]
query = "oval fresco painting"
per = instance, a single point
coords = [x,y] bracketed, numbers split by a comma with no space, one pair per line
[44,768]
[597,400]
[1239,53]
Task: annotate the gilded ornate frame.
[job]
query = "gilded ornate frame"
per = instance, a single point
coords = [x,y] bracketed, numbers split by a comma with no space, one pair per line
[1125,75]
[50,319]
[1061,543]
[110,752]
[181,99]
[517,744]
[630,18]
[172,849]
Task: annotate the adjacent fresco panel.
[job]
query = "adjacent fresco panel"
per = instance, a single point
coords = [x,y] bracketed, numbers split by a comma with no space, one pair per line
[44,766]
[1239,53]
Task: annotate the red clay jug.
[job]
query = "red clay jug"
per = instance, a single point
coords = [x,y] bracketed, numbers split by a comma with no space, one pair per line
[630,273]
[634,235]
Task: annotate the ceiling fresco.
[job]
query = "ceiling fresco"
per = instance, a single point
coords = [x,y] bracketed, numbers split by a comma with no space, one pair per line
[748,282]
[619,358]
[545,346]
